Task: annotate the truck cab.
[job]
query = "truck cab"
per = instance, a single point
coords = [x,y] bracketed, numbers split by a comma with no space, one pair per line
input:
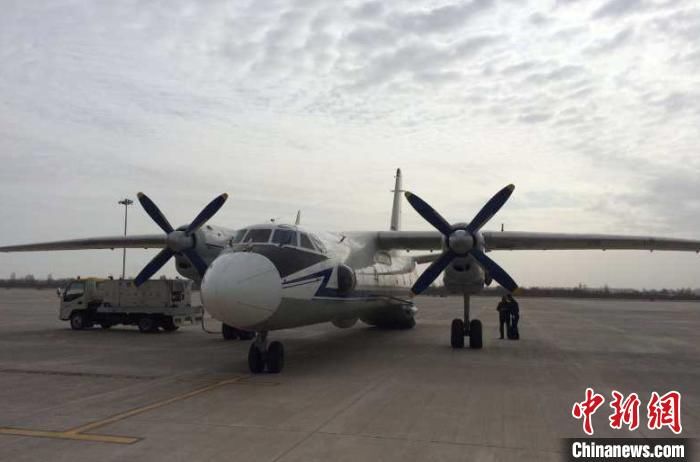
[77,296]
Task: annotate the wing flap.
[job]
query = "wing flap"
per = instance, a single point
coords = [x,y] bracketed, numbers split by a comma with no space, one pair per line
[144,241]
[517,240]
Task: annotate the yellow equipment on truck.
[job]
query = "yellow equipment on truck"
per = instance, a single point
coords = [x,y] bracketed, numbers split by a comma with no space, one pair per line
[158,303]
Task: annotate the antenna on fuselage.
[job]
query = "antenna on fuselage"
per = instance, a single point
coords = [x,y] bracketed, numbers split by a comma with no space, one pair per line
[396,207]
[298,220]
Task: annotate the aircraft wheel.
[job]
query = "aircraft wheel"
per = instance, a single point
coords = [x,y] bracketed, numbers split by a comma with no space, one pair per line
[457,333]
[275,358]
[77,320]
[475,339]
[256,362]
[228,332]
[105,325]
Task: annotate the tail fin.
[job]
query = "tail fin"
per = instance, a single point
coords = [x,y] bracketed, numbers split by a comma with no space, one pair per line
[396,208]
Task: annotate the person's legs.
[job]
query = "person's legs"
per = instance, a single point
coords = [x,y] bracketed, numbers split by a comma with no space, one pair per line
[516,334]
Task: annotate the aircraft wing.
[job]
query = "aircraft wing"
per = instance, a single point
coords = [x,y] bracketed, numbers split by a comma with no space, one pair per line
[144,241]
[409,240]
[519,240]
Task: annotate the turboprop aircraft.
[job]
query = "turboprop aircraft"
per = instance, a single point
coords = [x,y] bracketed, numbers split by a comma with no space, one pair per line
[272,276]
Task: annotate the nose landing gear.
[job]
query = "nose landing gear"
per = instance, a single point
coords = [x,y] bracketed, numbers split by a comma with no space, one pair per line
[464,328]
[262,356]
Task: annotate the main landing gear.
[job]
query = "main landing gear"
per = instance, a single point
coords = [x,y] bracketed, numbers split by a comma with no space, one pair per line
[466,328]
[262,356]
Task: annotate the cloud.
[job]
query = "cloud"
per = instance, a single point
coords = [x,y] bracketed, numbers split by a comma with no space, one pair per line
[534,118]
[369,10]
[559,74]
[441,19]
[607,45]
[371,37]
[617,8]
[539,19]
[419,58]
[297,97]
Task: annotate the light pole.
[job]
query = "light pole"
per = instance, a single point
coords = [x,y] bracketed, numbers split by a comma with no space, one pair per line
[126,202]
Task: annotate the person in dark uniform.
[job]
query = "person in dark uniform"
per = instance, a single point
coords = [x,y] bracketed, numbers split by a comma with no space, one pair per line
[514,312]
[503,316]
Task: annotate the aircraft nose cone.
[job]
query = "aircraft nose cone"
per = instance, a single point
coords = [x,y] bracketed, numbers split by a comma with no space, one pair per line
[241,289]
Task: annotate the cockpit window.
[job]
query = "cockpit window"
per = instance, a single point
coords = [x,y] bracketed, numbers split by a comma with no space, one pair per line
[258,235]
[238,237]
[317,242]
[284,237]
[305,242]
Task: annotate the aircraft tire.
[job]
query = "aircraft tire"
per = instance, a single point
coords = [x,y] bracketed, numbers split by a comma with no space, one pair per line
[457,334]
[475,337]
[256,363]
[275,358]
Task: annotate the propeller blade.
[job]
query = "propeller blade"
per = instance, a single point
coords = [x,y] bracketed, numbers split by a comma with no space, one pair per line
[432,272]
[429,213]
[489,210]
[154,212]
[206,213]
[153,266]
[497,273]
[196,260]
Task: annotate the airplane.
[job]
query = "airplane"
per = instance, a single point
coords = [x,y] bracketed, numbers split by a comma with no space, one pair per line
[270,276]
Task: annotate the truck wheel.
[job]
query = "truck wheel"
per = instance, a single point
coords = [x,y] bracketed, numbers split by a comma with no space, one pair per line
[147,324]
[77,320]
[169,325]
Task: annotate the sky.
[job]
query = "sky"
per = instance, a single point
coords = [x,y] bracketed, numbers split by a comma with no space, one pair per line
[591,108]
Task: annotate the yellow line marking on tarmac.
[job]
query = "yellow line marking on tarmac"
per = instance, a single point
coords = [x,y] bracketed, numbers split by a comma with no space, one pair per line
[78,433]
[68,436]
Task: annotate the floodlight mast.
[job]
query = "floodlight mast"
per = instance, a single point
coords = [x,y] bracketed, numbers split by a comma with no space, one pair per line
[126,202]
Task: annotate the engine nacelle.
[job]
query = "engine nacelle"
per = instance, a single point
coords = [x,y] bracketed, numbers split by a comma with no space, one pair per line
[464,274]
[346,279]
[344,323]
[208,254]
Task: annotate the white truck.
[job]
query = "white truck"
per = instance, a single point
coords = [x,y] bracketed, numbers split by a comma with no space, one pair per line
[158,303]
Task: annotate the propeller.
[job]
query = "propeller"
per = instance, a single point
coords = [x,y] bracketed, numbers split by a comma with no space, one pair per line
[180,241]
[460,240]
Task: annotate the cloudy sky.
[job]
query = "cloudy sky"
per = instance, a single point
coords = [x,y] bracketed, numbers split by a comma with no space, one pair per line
[592,109]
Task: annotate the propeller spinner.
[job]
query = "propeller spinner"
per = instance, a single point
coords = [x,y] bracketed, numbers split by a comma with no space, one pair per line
[461,241]
[179,241]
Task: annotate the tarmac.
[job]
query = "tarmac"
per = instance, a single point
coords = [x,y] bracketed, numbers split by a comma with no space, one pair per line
[345,394]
